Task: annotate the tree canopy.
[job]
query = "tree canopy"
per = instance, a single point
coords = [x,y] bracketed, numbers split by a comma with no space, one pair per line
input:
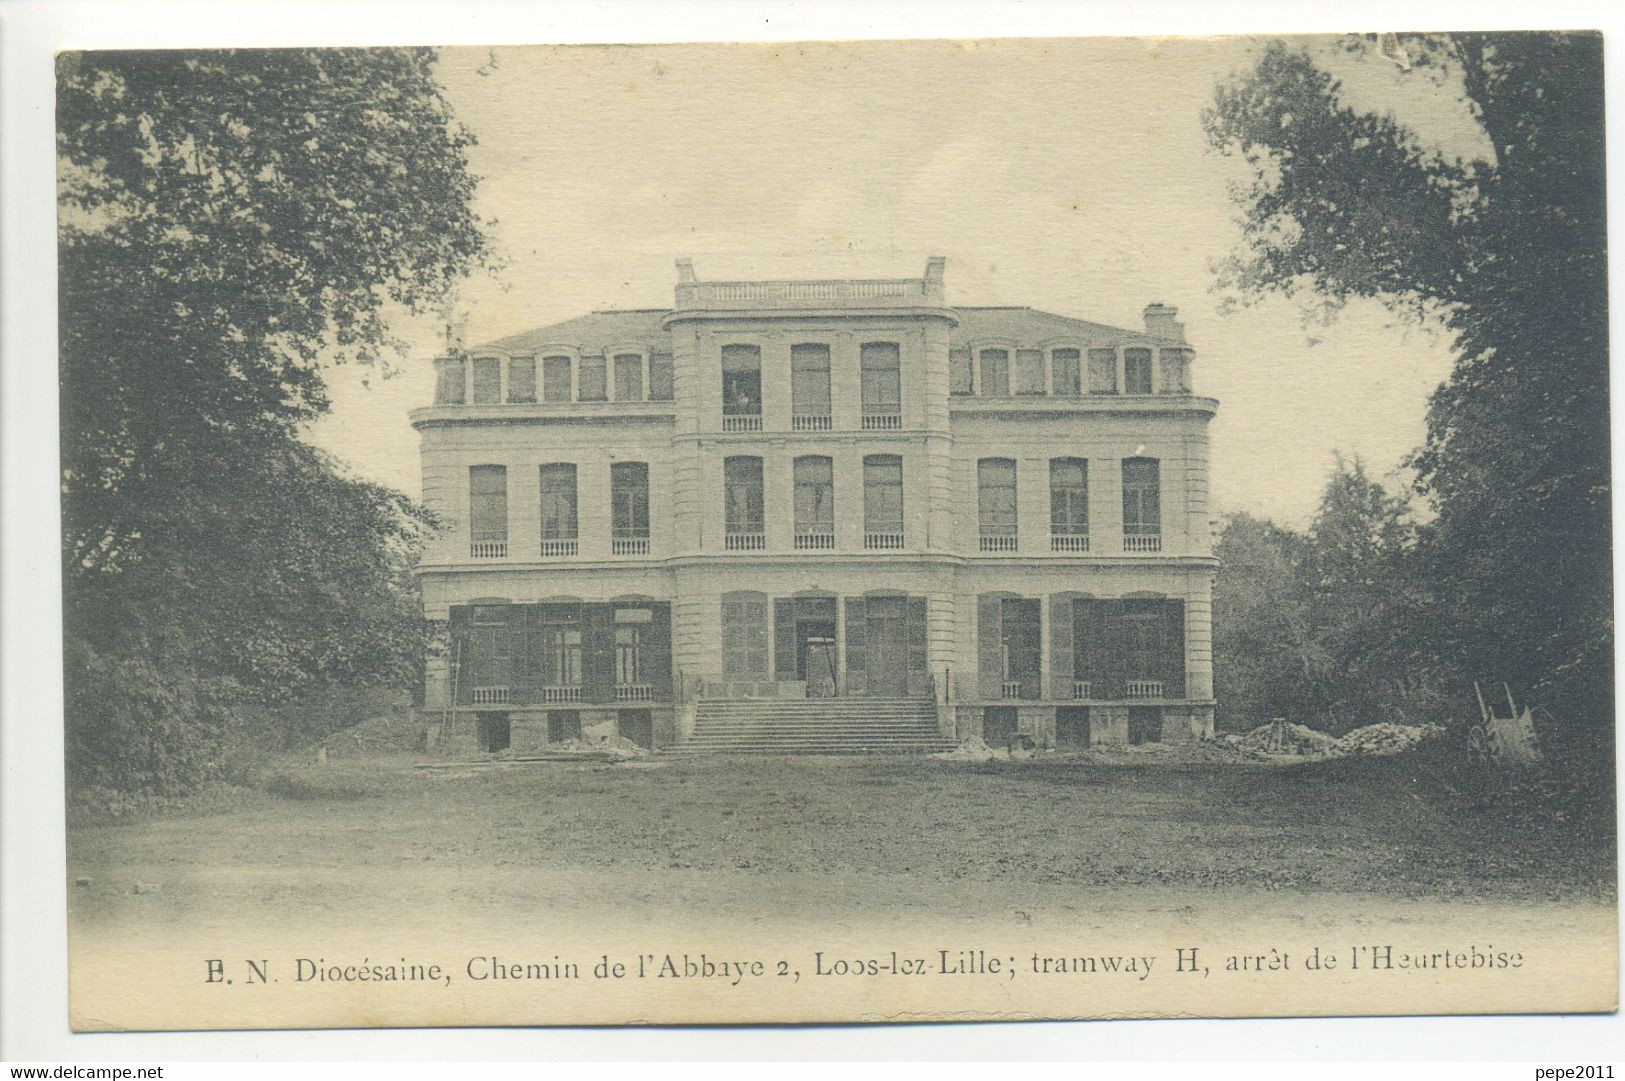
[231,224]
[1509,251]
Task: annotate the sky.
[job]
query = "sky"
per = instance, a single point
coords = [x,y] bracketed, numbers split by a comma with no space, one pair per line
[1070,175]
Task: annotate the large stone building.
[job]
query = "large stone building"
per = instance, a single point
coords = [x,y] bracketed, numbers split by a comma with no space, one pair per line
[821,515]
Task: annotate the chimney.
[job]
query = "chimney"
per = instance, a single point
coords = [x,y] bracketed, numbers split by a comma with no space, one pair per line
[1159,321]
[935,267]
[685,271]
[457,334]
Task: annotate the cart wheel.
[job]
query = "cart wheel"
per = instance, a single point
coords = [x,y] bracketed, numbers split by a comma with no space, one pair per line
[1478,746]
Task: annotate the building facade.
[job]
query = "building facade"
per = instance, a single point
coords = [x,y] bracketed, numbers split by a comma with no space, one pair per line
[845,490]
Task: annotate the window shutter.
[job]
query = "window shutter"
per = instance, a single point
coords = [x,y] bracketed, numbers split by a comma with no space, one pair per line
[919,654]
[784,638]
[1173,644]
[597,652]
[857,647]
[1113,650]
[656,657]
[1060,638]
[989,637]
[462,652]
[1026,660]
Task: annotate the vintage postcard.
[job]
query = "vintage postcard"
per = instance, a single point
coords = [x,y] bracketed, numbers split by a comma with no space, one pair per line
[836,532]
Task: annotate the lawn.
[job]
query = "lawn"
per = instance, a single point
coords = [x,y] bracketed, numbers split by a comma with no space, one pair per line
[353,833]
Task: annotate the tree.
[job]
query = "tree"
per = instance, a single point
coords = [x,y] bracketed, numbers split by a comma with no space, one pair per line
[1508,252]
[231,224]
[1264,655]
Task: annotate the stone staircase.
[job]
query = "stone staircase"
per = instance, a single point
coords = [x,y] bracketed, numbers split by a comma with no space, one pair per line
[815,726]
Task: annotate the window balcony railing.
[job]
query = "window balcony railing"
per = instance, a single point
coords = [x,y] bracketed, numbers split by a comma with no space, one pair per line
[742,422]
[745,542]
[999,544]
[806,541]
[1069,542]
[1142,542]
[629,546]
[488,548]
[883,540]
[1010,688]
[555,549]
[1144,688]
[634,692]
[882,422]
[811,422]
[1081,689]
[560,694]
[492,696]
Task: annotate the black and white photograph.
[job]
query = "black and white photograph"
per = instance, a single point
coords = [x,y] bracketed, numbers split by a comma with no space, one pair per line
[846,531]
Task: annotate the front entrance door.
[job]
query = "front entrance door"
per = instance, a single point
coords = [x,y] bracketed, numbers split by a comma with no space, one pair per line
[815,657]
[888,648]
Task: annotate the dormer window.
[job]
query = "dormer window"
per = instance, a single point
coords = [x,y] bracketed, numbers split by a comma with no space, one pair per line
[1137,371]
[1102,371]
[592,383]
[522,379]
[1029,373]
[556,379]
[628,377]
[487,380]
[995,373]
[1065,374]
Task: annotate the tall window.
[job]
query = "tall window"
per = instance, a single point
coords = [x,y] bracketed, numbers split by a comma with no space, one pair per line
[809,386]
[487,379]
[995,373]
[628,377]
[1069,504]
[1029,373]
[815,502]
[660,377]
[629,507]
[959,374]
[996,503]
[522,379]
[882,501]
[1102,371]
[882,383]
[1142,510]
[741,381]
[1136,371]
[488,511]
[490,646]
[592,383]
[1143,633]
[561,645]
[743,517]
[555,379]
[1065,375]
[631,627]
[744,635]
[558,515]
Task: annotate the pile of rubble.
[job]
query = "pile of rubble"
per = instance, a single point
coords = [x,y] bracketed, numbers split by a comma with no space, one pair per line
[1300,741]
[1279,737]
[972,750]
[1381,739]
